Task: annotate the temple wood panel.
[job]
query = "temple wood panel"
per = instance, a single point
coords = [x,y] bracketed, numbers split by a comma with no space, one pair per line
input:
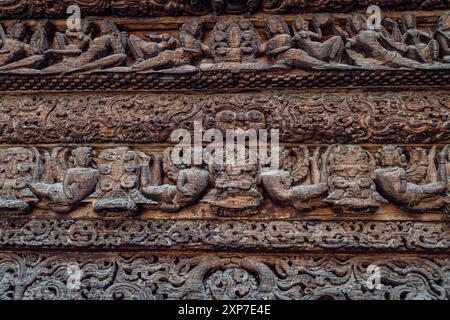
[90,192]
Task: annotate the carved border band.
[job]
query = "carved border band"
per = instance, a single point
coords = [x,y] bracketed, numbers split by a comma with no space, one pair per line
[43,8]
[226,80]
[145,276]
[53,233]
[352,117]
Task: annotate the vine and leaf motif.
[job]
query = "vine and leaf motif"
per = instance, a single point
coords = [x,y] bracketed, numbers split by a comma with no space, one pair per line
[148,277]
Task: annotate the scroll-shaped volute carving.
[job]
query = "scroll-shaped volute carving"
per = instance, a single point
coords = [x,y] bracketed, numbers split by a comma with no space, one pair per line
[230,278]
[18,168]
[190,182]
[281,185]
[392,180]
[68,179]
[118,187]
[164,52]
[350,171]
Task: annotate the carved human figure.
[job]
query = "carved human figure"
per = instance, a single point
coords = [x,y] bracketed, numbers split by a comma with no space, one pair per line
[190,182]
[165,52]
[118,187]
[68,46]
[280,48]
[392,181]
[235,179]
[69,179]
[351,171]
[443,36]
[15,53]
[18,168]
[372,49]
[235,6]
[421,45]
[330,50]
[281,185]
[234,44]
[105,51]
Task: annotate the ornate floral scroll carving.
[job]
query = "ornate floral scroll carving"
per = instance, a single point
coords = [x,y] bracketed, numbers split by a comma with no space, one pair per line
[41,8]
[400,117]
[39,276]
[102,233]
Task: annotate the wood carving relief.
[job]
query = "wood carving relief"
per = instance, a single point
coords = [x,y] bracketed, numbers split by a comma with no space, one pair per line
[356,173]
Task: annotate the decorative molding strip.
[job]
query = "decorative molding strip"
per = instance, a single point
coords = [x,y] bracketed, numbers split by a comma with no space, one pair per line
[340,117]
[125,234]
[45,8]
[144,276]
[224,80]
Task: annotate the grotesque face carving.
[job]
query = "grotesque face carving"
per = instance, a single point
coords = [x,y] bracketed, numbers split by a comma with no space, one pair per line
[17,167]
[119,169]
[350,179]
[391,156]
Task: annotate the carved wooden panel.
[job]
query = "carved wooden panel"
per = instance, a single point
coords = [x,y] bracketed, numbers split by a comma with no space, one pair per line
[94,206]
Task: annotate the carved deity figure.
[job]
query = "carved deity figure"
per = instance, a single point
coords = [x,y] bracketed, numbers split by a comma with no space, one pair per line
[281,48]
[234,44]
[284,187]
[18,168]
[190,182]
[351,171]
[15,53]
[235,180]
[373,49]
[443,36]
[68,46]
[235,6]
[421,45]
[105,51]
[392,181]
[67,179]
[165,52]
[330,50]
[118,186]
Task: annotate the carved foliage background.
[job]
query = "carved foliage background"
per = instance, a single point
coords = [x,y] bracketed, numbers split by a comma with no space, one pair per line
[404,117]
[144,276]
